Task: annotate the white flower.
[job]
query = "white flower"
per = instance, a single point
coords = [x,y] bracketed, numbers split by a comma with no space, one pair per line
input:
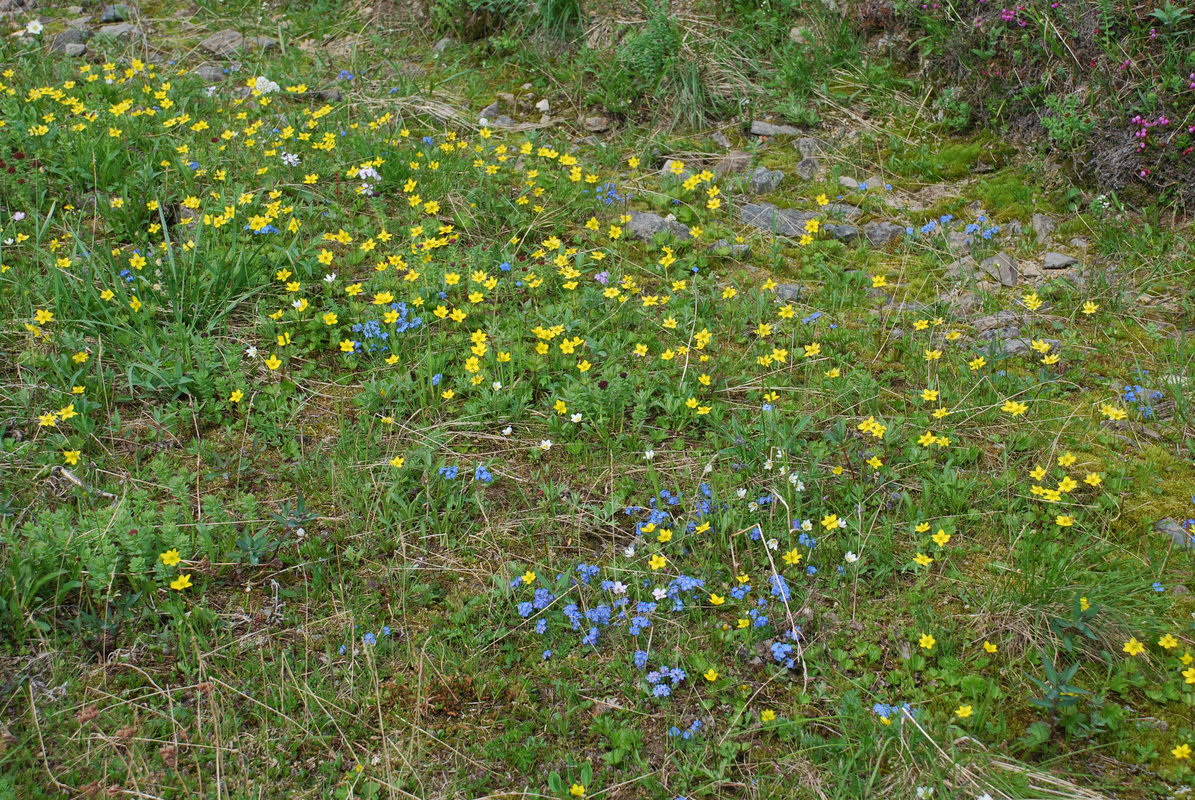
[507,431]
[851,557]
[265,85]
[575,417]
[659,592]
[331,276]
[290,159]
[768,464]
[497,385]
[783,470]
[629,551]
[708,468]
[753,506]
[773,544]
[296,304]
[545,445]
[806,524]
[742,493]
[925,791]
[842,524]
[649,454]
[984,796]
[619,587]
[251,351]
[34,27]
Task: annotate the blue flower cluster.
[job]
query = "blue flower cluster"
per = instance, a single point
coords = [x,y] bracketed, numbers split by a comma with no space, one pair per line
[892,713]
[663,680]
[369,639]
[608,194]
[1143,398]
[373,339]
[687,733]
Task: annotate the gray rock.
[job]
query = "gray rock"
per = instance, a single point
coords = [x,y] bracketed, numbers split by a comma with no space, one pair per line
[1002,267]
[490,112]
[1179,590]
[808,168]
[223,43]
[75,50]
[964,268]
[645,225]
[844,210]
[761,128]
[442,45]
[767,217]
[808,147]
[263,42]
[210,73]
[848,183]
[881,233]
[1020,345]
[1174,530]
[119,30]
[332,95]
[1058,261]
[843,233]
[116,13]
[597,124]
[733,162]
[957,240]
[73,11]
[875,183]
[722,247]
[799,35]
[720,140]
[70,36]
[786,292]
[1002,324]
[1042,225]
[502,121]
[764,180]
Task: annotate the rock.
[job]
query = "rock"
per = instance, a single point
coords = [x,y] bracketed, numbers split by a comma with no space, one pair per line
[799,35]
[596,124]
[721,140]
[442,45]
[263,42]
[848,183]
[645,225]
[75,50]
[722,247]
[1020,345]
[502,121]
[844,210]
[808,168]
[1174,530]
[490,112]
[116,13]
[543,106]
[1002,267]
[767,217]
[786,292]
[733,162]
[964,268]
[70,36]
[1001,325]
[210,73]
[1179,590]
[761,128]
[120,30]
[881,233]
[764,180]
[808,147]
[843,233]
[1058,261]
[1042,225]
[223,43]
[332,95]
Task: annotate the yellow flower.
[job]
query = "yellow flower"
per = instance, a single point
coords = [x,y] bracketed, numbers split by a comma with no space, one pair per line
[657,562]
[273,362]
[180,583]
[768,715]
[236,396]
[830,521]
[1083,604]
[962,712]
[71,457]
[397,462]
[577,790]
[346,345]
[1093,479]
[923,559]
[170,557]
[989,647]
[1133,647]
[1090,308]
[1168,642]
[711,675]
[1182,751]
[1189,675]
[1014,408]
[927,642]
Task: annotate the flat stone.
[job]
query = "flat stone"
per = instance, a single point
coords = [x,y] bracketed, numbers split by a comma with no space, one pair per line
[761,128]
[881,233]
[502,121]
[808,168]
[997,321]
[786,292]
[764,180]
[848,183]
[964,268]
[210,73]
[733,162]
[223,43]
[1002,267]
[645,225]
[1042,225]
[843,233]
[808,147]
[722,247]
[118,12]
[596,124]
[263,42]
[1174,529]
[442,45]
[490,112]
[75,50]
[1058,261]
[1020,345]
[767,217]
[721,140]
[120,30]
[70,36]
[844,210]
